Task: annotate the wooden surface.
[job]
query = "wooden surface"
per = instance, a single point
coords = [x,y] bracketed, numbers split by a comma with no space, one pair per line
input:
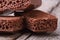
[51,6]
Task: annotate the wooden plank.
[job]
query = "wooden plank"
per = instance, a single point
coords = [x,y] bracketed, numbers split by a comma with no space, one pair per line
[36,37]
[25,35]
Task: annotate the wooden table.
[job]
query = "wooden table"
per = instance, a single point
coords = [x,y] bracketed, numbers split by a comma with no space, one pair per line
[27,35]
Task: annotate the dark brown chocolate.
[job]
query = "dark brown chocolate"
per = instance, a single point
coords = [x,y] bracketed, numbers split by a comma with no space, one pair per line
[14,4]
[11,24]
[17,5]
[38,21]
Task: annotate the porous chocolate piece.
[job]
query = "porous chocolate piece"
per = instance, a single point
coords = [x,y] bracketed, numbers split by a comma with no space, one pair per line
[38,21]
[11,24]
[14,4]
[18,4]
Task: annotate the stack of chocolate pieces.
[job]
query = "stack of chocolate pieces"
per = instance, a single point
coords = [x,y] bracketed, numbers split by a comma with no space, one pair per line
[33,20]
[12,23]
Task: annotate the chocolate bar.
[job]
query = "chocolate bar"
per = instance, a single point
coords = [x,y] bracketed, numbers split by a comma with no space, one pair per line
[11,23]
[14,4]
[38,21]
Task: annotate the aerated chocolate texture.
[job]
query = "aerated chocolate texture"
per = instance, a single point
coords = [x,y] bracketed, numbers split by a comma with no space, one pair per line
[11,24]
[38,21]
[14,4]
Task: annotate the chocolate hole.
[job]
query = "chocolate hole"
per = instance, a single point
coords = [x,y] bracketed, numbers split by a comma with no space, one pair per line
[0,26]
[9,22]
[43,24]
[10,2]
[10,26]
[34,25]
[3,27]
[33,28]
[5,2]
[17,1]
[22,2]
[18,26]
[0,2]
[13,2]
[50,25]
[7,27]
